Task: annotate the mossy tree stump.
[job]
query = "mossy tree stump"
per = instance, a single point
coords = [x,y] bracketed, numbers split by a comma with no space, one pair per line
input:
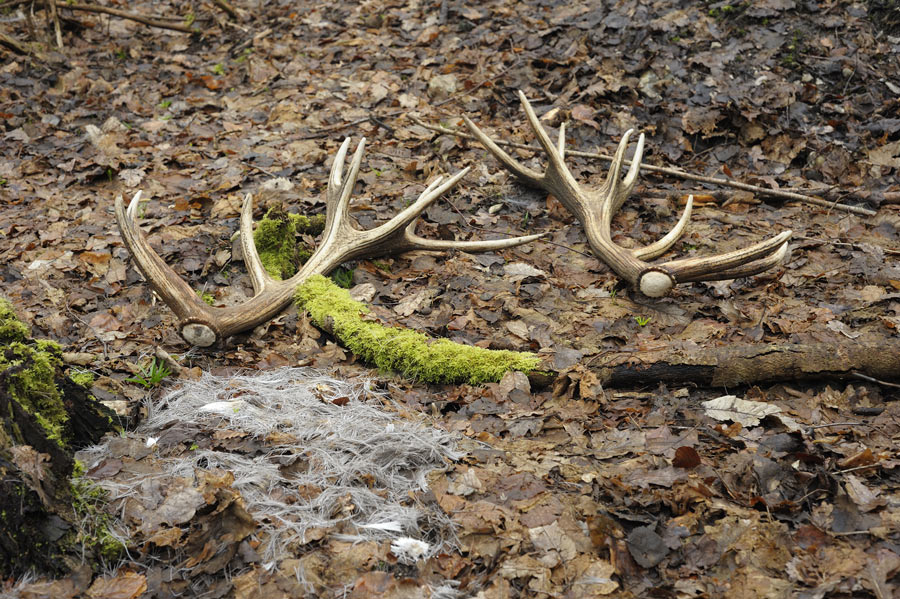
[44,417]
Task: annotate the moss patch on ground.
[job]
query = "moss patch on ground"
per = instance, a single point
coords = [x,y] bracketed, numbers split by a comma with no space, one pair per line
[401,350]
[95,523]
[276,240]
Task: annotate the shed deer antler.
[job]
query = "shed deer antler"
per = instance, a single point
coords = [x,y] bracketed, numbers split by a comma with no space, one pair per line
[203,325]
[595,209]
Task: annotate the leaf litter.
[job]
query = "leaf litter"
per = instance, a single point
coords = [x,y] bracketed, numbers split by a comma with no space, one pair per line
[569,491]
[289,455]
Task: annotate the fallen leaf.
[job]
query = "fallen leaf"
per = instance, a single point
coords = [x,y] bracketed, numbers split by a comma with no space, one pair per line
[128,585]
[730,407]
[646,547]
[686,457]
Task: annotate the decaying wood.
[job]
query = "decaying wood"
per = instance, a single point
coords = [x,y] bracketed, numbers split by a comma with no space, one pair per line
[35,496]
[751,364]
[595,207]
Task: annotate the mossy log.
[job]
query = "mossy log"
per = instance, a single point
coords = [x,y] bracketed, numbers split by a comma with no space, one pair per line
[407,352]
[44,417]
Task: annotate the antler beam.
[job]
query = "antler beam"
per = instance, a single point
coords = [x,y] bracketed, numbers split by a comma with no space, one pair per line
[203,325]
[595,209]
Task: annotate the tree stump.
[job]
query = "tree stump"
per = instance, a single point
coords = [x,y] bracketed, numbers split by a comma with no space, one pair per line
[44,418]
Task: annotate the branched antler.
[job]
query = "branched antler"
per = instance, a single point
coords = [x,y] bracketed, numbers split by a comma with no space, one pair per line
[595,209]
[203,325]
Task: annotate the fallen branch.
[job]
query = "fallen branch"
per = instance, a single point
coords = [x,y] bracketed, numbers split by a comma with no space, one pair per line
[404,351]
[57,28]
[13,44]
[151,22]
[224,5]
[751,364]
[674,172]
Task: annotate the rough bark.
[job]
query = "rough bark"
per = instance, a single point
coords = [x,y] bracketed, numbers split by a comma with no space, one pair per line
[751,364]
[35,495]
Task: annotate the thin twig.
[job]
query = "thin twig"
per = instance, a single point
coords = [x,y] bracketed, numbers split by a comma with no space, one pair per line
[54,14]
[864,377]
[224,5]
[855,468]
[787,195]
[379,123]
[855,246]
[322,131]
[721,197]
[150,22]
[12,43]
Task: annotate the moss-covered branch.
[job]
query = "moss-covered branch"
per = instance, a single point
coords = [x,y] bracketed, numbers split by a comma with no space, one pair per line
[401,350]
[410,353]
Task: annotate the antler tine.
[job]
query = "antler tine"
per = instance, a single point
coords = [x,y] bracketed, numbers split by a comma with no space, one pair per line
[398,234]
[337,195]
[662,245]
[412,241]
[525,174]
[557,179]
[258,275]
[431,193]
[595,210]
[749,260]
[203,325]
[748,269]
[176,294]
[620,189]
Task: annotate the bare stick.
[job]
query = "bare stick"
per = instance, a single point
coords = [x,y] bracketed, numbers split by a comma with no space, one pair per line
[224,5]
[54,14]
[787,195]
[126,15]
[12,43]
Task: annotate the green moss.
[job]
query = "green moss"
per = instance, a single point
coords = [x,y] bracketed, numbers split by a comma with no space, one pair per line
[11,328]
[33,385]
[85,378]
[276,240]
[408,352]
[94,532]
[308,225]
[207,297]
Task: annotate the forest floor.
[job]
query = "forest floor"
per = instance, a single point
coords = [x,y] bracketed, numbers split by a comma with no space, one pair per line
[577,489]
